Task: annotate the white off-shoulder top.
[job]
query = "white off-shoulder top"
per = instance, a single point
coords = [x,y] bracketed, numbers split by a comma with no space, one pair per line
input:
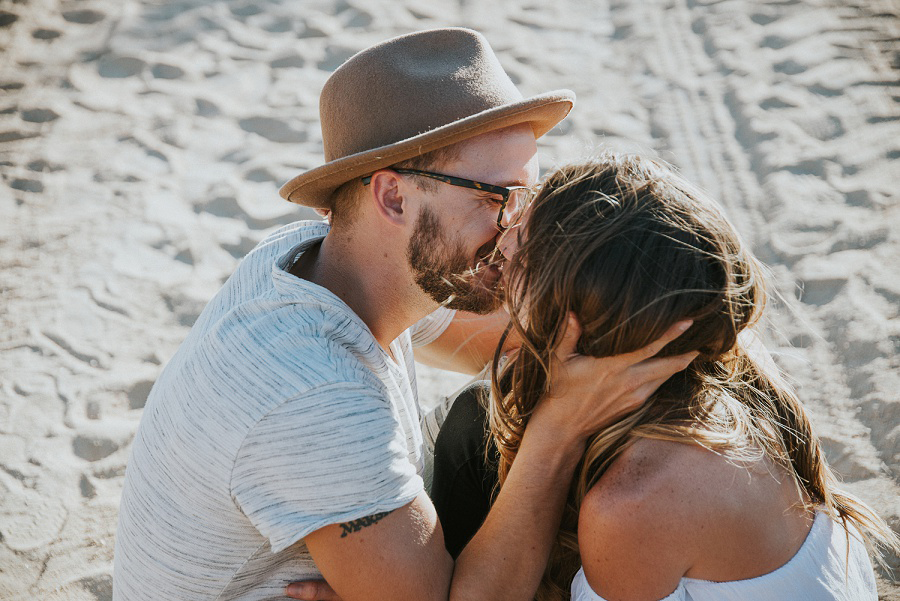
[824,569]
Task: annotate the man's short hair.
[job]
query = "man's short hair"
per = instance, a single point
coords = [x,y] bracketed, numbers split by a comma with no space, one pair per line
[345,199]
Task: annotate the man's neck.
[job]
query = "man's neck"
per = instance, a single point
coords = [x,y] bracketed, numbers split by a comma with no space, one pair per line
[379,291]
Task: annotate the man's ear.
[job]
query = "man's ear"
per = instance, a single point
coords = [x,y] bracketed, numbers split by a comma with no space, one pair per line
[387,193]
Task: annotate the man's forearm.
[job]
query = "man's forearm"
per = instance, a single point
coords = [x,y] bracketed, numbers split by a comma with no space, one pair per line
[468,343]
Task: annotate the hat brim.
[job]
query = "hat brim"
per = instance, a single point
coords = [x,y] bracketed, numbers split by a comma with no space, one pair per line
[315,187]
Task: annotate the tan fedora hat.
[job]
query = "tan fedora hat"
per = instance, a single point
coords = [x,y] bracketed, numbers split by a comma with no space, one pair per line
[410,95]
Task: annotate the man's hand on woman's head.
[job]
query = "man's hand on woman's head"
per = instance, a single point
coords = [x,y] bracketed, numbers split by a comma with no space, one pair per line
[589,393]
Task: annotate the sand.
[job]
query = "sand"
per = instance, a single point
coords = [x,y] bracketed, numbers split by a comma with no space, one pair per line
[142,144]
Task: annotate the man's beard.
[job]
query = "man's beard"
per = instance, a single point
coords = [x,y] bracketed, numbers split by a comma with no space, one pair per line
[444,272]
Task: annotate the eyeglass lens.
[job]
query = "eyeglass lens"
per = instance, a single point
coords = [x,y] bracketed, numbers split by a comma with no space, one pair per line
[515,206]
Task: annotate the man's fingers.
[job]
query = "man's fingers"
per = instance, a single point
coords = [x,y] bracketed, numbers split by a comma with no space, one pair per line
[311,590]
[664,370]
[643,392]
[570,338]
[676,330]
[661,369]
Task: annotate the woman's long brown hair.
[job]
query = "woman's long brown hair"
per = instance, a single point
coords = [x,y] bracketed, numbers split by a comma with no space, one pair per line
[631,248]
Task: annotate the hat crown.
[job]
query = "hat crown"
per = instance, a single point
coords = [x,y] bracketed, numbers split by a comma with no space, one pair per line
[409,85]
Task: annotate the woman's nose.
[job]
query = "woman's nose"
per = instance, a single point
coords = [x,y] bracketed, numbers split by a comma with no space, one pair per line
[508,243]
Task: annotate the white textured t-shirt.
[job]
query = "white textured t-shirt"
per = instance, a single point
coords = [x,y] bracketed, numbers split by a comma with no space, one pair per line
[279,414]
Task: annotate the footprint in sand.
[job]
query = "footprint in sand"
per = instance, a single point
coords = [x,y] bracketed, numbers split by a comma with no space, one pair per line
[83,16]
[776,42]
[185,256]
[821,126]
[764,18]
[7,18]
[45,34]
[844,459]
[820,291]
[92,410]
[356,18]
[278,25]
[117,67]
[164,71]
[39,115]
[789,67]
[93,448]
[859,339]
[27,185]
[774,103]
[207,108]
[100,439]
[273,129]
[289,61]
[243,246]
[247,9]
[335,56]
[260,175]
[42,165]
[14,134]
[860,384]
[99,586]
[138,393]
[883,420]
[88,490]
[309,30]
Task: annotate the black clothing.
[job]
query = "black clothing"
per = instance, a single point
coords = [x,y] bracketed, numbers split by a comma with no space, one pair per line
[465,478]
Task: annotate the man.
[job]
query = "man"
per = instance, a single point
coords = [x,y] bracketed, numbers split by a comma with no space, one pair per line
[282,441]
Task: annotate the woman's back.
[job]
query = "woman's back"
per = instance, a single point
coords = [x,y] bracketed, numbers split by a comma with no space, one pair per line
[668,517]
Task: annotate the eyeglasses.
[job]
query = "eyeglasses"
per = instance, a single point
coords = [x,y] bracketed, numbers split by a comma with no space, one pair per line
[515,197]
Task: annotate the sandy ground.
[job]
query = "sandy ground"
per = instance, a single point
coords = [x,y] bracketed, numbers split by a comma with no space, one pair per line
[142,144]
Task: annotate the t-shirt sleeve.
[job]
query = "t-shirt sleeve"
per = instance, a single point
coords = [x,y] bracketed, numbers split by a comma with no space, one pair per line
[332,455]
[429,328]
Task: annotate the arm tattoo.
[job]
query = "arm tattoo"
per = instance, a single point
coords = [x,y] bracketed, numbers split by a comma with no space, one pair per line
[357,525]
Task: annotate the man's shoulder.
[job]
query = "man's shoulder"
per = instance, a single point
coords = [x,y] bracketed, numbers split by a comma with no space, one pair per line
[295,232]
[324,352]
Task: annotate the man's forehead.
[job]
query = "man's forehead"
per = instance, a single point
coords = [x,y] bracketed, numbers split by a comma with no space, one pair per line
[504,157]
[520,133]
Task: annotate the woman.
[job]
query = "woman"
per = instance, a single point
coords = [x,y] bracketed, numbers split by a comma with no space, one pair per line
[717,487]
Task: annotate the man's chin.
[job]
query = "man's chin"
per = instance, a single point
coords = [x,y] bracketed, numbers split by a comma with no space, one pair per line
[471,304]
[471,296]
[474,298]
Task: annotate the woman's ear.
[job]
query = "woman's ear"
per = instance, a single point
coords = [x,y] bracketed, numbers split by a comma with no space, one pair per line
[387,195]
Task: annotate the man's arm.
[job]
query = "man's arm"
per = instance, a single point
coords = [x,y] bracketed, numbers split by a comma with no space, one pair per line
[402,556]
[468,343]
[398,556]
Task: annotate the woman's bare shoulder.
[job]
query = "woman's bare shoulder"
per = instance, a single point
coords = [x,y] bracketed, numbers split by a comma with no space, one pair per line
[693,512]
[647,506]
[665,494]
[658,473]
